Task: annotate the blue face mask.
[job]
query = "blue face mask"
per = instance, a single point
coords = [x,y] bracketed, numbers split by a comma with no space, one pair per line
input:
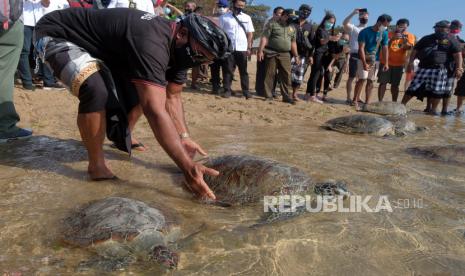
[343,42]
[328,25]
[167,11]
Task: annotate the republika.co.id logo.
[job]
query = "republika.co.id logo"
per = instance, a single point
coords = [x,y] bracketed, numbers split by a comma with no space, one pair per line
[348,204]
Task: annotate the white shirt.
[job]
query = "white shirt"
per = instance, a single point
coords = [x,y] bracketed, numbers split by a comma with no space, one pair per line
[353,41]
[56,5]
[235,32]
[32,12]
[142,5]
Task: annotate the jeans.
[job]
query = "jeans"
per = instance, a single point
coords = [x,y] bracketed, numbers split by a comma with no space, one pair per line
[24,67]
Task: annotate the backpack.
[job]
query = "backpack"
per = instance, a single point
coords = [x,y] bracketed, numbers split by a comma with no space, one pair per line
[10,12]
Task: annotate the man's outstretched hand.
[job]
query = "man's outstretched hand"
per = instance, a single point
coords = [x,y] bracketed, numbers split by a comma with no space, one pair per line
[196,183]
[192,147]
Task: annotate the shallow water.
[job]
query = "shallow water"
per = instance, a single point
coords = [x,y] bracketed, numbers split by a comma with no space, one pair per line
[42,179]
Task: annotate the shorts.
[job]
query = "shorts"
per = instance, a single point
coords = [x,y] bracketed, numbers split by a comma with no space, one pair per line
[298,71]
[367,75]
[353,60]
[392,76]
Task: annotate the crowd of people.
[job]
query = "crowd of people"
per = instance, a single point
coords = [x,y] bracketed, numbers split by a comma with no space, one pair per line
[158,43]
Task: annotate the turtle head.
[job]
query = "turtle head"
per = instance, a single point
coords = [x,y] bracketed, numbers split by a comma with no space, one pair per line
[164,257]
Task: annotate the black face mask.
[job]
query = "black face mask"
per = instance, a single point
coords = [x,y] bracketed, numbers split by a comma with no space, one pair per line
[238,10]
[304,14]
[187,12]
[441,35]
[363,21]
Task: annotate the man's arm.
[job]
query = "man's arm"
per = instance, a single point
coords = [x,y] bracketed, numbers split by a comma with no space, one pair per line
[175,109]
[294,52]
[361,54]
[458,65]
[385,51]
[263,43]
[346,23]
[153,101]
[410,66]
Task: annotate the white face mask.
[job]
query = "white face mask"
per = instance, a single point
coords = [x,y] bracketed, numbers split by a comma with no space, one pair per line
[222,10]
[382,28]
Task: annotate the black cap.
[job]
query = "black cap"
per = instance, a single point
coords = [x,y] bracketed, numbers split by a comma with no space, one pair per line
[208,34]
[442,24]
[305,7]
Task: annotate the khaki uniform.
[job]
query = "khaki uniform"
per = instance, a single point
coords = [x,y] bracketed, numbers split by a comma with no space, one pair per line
[277,56]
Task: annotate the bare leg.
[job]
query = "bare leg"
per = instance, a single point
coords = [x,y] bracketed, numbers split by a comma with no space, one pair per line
[382,91]
[294,92]
[350,81]
[434,105]
[368,90]
[133,117]
[428,105]
[395,93]
[92,129]
[445,105]
[358,91]
[459,103]
[405,99]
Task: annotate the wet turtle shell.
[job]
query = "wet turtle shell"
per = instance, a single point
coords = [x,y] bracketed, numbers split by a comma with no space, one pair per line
[386,108]
[361,124]
[118,228]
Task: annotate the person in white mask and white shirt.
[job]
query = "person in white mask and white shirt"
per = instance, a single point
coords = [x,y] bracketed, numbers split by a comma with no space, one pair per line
[33,10]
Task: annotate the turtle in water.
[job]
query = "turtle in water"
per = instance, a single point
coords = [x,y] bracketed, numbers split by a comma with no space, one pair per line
[386,108]
[373,125]
[121,231]
[448,153]
[245,180]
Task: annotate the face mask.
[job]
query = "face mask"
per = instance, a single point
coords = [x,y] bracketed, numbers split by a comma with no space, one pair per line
[167,11]
[342,42]
[441,35]
[382,28]
[304,14]
[457,31]
[222,10]
[238,10]
[328,25]
[363,21]
[188,11]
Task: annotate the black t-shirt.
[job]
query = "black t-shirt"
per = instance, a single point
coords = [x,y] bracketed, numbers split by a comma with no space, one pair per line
[133,43]
[321,34]
[335,48]
[304,37]
[431,51]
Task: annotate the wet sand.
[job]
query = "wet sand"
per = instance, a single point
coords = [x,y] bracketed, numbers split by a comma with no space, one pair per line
[42,179]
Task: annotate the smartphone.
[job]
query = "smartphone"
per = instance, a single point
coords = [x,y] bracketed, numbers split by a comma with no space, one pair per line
[362,10]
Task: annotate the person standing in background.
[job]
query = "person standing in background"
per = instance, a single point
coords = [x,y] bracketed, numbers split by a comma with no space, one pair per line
[11,41]
[239,28]
[353,32]
[400,43]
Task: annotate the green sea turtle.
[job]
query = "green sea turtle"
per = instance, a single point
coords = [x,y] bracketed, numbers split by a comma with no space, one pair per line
[372,125]
[386,108]
[447,153]
[245,180]
[121,231]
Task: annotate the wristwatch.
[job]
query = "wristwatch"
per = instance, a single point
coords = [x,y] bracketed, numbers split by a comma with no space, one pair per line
[184,135]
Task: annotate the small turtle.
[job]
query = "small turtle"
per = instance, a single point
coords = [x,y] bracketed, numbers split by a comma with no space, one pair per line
[448,153]
[121,231]
[246,180]
[386,108]
[372,125]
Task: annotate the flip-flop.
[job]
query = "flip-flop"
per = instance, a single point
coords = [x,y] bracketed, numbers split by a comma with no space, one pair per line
[139,147]
[98,179]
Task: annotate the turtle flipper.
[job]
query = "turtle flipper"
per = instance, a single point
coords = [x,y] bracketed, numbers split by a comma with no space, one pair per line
[105,264]
[165,257]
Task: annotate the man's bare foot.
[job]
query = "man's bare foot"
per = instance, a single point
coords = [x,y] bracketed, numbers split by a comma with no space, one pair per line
[136,145]
[99,173]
